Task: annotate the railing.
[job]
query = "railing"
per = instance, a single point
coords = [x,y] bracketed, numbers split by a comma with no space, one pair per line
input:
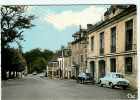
[130,46]
[113,49]
[101,51]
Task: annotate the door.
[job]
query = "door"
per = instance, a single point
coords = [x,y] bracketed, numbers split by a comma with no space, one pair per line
[92,69]
[101,68]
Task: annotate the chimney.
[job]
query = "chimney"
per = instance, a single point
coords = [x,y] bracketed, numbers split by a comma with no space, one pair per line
[89,26]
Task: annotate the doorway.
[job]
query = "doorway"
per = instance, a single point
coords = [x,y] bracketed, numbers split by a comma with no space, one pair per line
[101,68]
[92,69]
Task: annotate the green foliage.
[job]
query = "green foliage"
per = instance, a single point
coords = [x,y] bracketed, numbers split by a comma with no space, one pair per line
[37,59]
[13,22]
[39,64]
[13,60]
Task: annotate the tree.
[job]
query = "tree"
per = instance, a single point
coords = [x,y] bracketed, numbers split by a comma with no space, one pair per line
[15,61]
[39,65]
[37,59]
[47,54]
[14,21]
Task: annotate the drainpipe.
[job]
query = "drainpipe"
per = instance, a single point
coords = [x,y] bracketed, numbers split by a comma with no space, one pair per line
[63,63]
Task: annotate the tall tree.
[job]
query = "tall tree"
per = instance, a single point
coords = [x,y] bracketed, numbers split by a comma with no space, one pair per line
[14,21]
[37,59]
[39,65]
[13,61]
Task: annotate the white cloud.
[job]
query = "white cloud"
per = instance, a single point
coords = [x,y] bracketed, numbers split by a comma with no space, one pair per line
[67,18]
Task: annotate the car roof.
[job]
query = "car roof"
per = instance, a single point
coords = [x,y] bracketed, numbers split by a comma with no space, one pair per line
[115,73]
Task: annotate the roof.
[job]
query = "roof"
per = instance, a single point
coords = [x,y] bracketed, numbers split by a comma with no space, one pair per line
[50,62]
[101,24]
[54,58]
[110,10]
[79,32]
[78,40]
[83,31]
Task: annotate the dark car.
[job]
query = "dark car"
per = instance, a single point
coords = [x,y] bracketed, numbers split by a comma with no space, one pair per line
[82,77]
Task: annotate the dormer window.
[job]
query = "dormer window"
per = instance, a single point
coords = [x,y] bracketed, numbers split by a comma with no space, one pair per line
[113,10]
[82,34]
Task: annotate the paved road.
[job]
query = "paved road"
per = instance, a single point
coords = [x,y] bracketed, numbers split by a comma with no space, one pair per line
[36,88]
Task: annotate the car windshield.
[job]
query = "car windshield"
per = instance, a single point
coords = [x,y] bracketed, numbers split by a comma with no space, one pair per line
[119,76]
[82,74]
[88,74]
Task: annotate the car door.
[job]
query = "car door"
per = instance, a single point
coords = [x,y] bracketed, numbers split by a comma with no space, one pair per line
[107,78]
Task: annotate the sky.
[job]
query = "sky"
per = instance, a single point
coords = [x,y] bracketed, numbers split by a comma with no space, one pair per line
[54,25]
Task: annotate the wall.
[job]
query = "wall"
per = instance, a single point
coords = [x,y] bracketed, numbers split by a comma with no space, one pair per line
[120,48]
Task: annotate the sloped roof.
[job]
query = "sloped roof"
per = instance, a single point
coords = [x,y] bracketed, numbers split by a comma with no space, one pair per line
[99,25]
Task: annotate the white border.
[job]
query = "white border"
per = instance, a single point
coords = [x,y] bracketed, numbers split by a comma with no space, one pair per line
[58,2]
[138,45]
[67,2]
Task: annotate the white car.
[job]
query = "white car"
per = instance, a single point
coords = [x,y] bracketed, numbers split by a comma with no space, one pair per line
[34,73]
[114,79]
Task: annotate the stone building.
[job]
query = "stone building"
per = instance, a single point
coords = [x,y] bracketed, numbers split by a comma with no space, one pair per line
[113,44]
[52,68]
[79,52]
[67,61]
[64,63]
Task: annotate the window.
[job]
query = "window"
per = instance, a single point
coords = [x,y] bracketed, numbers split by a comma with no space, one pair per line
[129,35]
[113,65]
[113,10]
[82,34]
[113,40]
[119,76]
[128,65]
[102,43]
[73,60]
[92,43]
[81,58]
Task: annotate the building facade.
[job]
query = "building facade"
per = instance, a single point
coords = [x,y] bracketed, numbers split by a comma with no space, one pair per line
[113,44]
[52,70]
[79,52]
[64,63]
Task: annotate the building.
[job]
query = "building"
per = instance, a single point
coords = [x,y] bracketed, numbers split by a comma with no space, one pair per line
[79,52]
[52,68]
[113,44]
[64,63]
[67,61]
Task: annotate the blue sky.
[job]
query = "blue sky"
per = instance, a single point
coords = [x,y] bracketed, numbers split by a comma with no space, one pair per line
[56,24]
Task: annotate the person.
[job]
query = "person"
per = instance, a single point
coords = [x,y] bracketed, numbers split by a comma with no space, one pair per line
[73,77]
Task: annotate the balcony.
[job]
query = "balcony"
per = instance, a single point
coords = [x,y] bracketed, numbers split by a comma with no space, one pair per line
[128,46]
[101,51]
[113,49]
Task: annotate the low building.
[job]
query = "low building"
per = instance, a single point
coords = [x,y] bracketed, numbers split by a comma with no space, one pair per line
[52,68]
[64,63]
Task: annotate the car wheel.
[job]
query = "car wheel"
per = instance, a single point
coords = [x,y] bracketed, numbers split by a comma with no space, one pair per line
[111,85]
[124,87]
[100,82]
[83,81]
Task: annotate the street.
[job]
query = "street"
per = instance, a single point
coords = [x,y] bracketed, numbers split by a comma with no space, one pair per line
[36,88]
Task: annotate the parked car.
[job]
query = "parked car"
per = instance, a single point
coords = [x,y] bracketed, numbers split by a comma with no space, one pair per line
[114,79]
[84,77]
[40,74]
[34,73]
